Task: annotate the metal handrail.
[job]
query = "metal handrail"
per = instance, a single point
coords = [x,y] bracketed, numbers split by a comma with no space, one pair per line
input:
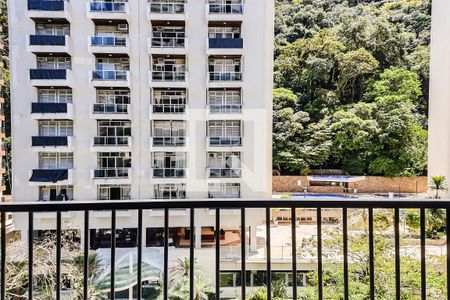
[109,41]
[169,172]
[225,108]
[111,173]
[167,8]
[110,75]
[102,6]
[168,42]
[112,141]
[225,76]
[219,172]
[226,8]
[169,108]
[169,75]
[169,141]
[110,108]
[225,141]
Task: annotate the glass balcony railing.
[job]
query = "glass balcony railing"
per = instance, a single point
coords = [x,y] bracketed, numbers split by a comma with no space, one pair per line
[108,41]
[112,141]
[48,74]
[110,75]
[47,40]
[169,108]
[225,76]
[110,108]
[169,172]
[168,42]
[46,5]
[112,173]
[168,76]
[225,141]
[173,141]
[109,7]
[225,108]
[224,173]
[226,8]
[42,141]
[226,43]
[42,108]
[167,8]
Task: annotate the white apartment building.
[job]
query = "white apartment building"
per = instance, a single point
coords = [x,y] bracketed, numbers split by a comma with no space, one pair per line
[141,99]
[439,102]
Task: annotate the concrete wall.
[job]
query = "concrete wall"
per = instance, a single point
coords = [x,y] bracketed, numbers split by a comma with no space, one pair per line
[372,184]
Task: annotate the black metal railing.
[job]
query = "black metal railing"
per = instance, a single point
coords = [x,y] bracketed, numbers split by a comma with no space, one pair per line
[220,205]
[226,43]
[47,40]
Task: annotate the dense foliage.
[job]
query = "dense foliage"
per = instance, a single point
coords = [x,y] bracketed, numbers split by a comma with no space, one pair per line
[351,80]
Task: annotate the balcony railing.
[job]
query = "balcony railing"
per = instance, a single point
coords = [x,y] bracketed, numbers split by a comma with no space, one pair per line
[169,108]
[112,141]
[111,173]
[47,40]
[169,172]
[225,76]
[110,7]
[224,173]
[110,108]
[108,41]
[168,76]
[226,8]
[225,108]
[46,5]
[110,75]
[42,141]
[168,42]
[42,108]
[48,74]
[226,43]
[225,141]
[423,262]
[49,175]
[167,8]
[172,141]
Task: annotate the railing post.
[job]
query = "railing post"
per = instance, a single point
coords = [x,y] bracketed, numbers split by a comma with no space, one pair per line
[423,270]
[397,252]
[217,254]
[243,261]
[191,255]
[319,254]
[3,255]
[86,256]
[294,252]
[113,255]
[345,246]
[371,256]
[166,254]
[30,254]
[447,221]
[268,257]
[58,255]
[139,255]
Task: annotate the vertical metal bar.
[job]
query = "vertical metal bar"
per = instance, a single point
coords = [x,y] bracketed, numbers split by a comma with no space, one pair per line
[371,256]
[217,254]
[294,253]
[113,255]
[191,256]
[30,254]
[58,255]
[139,255]
[86,256]
[447,221]
[3,255]
[166,254]
[319,254]
[423,270]
[345,246]
[243,261]
[397,252]
[268,257]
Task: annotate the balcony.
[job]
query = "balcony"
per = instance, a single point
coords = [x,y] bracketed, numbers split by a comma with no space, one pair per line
[112,143]
[220,109]
[324,251]
[169,172]
[112,176]
[110,78]
[166,11]
[225,46]
[168,45]
[46,9]
[53,176]
[172,141]
[214,172]
[48,44]
[225,12]
[109,44]
[50,77]
[51,110]
[164,79]
[108,10]
[111,111]
[168,111]
[225,76]
[225,141]
[52,143]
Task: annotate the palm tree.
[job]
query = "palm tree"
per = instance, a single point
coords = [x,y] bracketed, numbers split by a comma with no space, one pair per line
[438,183]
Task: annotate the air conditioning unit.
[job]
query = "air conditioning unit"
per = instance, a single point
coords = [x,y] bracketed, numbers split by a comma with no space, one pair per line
[42,58]
[160,60]
[124,154]
[124,60]
[122,27]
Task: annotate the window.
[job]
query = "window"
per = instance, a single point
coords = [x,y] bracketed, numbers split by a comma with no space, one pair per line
[55,95]
[224,65]
[169,101]
[168,32]
[55,128]
[170,191]
[224,32]
[49,193]
[169,128]
[114,192]
[109,31]
[125,238]
[114,160]
[224,190]
[114,128]
[51,161]
[52,29]
[54,62]
[169,160]
[224,160]
[224,128]
[113,64]
[224,101]
[165,64]
[113,96]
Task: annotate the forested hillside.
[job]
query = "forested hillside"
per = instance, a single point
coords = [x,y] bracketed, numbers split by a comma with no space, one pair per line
[351,81]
